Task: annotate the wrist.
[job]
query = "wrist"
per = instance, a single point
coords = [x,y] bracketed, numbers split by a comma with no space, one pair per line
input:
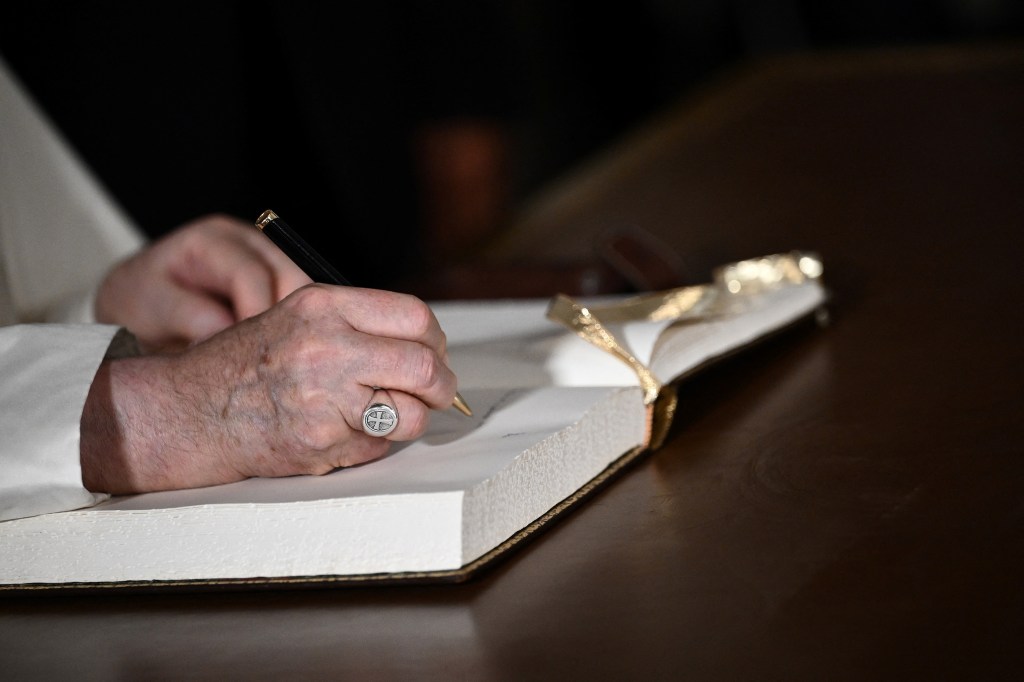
[140,432]
[101,445]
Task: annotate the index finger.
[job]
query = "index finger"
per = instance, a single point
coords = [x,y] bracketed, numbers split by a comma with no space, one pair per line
[391,314]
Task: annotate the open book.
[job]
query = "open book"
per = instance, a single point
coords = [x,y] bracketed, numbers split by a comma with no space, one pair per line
[564,395]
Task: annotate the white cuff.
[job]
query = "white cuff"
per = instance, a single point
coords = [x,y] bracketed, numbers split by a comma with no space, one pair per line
[47,370]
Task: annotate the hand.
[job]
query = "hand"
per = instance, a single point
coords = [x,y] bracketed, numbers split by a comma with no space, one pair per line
[196,281]
[279,394]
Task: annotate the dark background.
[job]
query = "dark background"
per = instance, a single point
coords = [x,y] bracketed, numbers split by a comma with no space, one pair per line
[188,108]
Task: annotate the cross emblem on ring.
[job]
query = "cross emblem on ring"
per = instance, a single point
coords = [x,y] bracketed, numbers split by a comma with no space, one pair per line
[379,419]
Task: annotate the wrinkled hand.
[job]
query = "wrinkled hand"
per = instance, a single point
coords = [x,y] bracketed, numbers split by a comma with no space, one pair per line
[196,281]
[279,394]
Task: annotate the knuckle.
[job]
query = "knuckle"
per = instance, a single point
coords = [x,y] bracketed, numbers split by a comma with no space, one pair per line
[299,357]
[191,241]
[425,368]
[315,295]
[310,299]
[318,468]
[223,221]
[318,436]
[418,315]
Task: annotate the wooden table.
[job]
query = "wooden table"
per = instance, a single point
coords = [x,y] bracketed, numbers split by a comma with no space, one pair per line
[843,503]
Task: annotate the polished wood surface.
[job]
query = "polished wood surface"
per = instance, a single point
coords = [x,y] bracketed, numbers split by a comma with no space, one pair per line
[841,503]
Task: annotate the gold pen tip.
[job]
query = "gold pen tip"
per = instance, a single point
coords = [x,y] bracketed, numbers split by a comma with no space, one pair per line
[460,404]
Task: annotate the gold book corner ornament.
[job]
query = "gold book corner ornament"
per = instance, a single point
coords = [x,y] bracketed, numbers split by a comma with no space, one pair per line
[582,321]
[732,283]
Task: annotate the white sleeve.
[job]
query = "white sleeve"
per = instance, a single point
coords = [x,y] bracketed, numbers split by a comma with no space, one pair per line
[60,231]
[47,370]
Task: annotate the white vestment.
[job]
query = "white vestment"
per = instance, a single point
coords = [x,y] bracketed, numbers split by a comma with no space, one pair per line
[59,233]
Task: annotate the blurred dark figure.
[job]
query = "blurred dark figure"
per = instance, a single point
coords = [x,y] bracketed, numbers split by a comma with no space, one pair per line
[375,129]
[397,135]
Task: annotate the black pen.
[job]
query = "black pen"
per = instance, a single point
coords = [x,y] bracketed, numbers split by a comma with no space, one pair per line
[313,264]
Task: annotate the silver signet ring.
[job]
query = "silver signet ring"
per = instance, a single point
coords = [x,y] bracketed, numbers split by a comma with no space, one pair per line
[379,419]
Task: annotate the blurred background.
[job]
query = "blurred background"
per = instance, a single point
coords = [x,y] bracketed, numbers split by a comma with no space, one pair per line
[402,135]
